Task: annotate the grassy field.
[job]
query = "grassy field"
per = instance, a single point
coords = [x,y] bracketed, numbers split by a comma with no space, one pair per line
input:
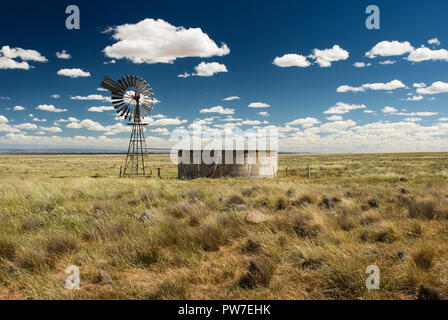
[284,238]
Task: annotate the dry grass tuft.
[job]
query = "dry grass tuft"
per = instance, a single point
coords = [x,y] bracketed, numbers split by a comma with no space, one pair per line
[7,249]
[424,257]
[305,227]
[170,290]
[380,233]
[259,273]
[426,210]
[32,223]
[61,244]
[33,259]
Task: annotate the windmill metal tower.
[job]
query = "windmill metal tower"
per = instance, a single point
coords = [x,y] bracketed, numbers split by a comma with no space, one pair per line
[133,98]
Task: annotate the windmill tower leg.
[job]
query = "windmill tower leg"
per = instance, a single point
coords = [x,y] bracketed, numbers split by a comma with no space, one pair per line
[137,157]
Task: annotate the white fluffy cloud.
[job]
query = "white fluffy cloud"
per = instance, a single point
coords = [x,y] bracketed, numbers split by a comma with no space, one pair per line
[419,85]
[325,57]
[55,96]
[305,122]
[389,86]
[101,109]
[415,98]
[73,73]
[51,129]
[7,56]
[49,107]
[263,113]
[18,108]
[24,54]
[154,41]
[390,48]
[163,131]
[388,62]
[231,98]
[425,54]
[6,63]
[184,75]
[26,126]
[259,105]
[434,41]
[436,88]
[63,55]
[291,60]
[208,69]
[3,119]
[91,97]
[389,110]
[218,109]
[361,64]
[343,108]
[335,118]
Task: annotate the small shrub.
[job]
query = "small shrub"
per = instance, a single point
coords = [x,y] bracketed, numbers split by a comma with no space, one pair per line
[102,207]
[146,196]
[33,259]
[425,210]
[32,223]
[139,254]
[235,202]
[416,230]
[304,200]
[343,282]
[259,273]
[426,292]
[329,203]
[184,208]
[424,257]
[171,290]
[370,217]
[373,203]
[281,203]
[346,222]
[102,230]
[45,205]
[61,244]
[211,238]
[251,246]
[305,227]
[7,249]
[195,194]
[381,233]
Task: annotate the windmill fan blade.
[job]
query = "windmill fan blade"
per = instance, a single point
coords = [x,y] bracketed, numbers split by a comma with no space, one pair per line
[121,109]
[111,85]
[138,82]
[129,110]
[122,84]
[133,79]
[129,81]
[119,105]
[126,85]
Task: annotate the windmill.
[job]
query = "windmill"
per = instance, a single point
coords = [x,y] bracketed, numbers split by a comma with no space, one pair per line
[132,98]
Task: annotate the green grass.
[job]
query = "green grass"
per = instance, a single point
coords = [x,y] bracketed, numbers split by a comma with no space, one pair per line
[318,237]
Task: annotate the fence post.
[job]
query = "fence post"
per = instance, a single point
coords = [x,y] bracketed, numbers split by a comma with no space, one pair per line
[158,172]
[286,174]
[309,171]
[120,171]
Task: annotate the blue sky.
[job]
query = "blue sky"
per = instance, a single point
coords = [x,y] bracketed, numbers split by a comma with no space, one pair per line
[327,83]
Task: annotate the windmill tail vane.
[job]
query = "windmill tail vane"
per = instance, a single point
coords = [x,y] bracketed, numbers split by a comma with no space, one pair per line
[132,98]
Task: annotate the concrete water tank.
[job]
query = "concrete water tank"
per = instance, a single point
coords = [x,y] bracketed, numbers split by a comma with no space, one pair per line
[250,164]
